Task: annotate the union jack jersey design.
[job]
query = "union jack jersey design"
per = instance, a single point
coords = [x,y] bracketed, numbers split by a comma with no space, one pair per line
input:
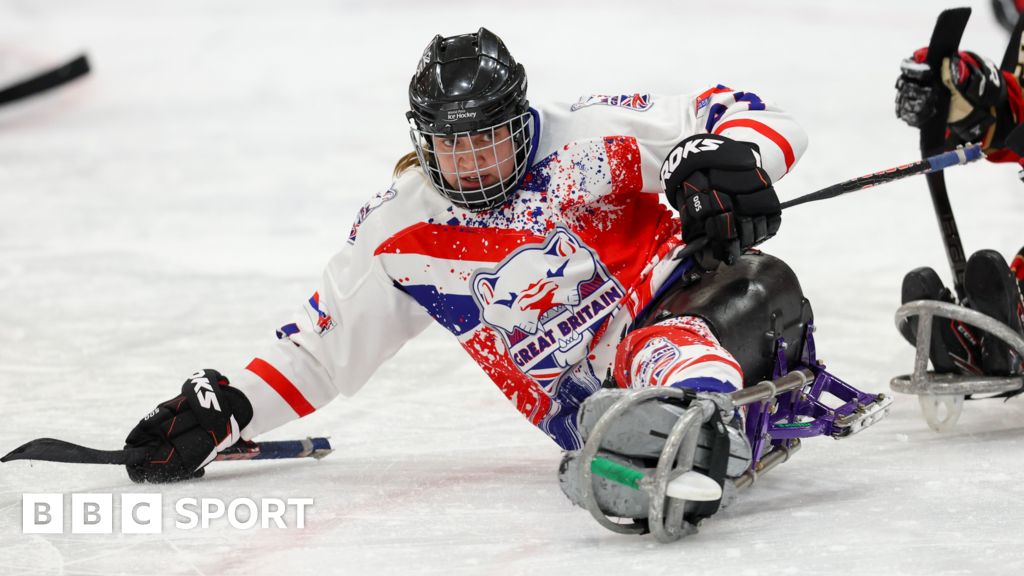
[538,292]
[636,101]
[320,318]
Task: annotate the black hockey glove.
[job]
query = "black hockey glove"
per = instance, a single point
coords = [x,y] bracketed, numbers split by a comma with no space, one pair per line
[185,433]
[976,88]
[721,193]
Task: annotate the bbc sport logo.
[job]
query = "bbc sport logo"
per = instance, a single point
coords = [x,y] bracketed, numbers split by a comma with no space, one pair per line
[143,513]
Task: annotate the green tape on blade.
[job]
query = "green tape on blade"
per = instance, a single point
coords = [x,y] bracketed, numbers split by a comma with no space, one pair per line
[616,472]
[794,425]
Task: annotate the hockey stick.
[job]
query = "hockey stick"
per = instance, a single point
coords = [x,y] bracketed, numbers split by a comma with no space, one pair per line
[1013,57]
[931,165]
[53,450]
[1013,62]
[46,80]
[945,40]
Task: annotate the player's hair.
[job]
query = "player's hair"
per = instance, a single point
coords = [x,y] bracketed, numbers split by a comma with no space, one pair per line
[410,160]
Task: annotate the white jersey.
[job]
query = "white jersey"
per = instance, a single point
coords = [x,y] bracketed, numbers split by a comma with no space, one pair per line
[538,291]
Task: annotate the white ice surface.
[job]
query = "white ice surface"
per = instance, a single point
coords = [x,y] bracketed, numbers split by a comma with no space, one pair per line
[164,215]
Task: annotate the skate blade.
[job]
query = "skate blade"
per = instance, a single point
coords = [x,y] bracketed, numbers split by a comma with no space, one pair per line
[695,487]
[941,412]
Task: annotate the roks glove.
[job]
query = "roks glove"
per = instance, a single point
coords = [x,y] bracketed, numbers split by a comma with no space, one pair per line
[185,433]
[722,193]
[976,88]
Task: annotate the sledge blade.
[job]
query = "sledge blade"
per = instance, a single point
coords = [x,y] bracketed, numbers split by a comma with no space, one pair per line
[695,487]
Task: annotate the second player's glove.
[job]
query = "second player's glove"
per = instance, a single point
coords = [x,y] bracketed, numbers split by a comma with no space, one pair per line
[185,433]
[976,88]
[721,193]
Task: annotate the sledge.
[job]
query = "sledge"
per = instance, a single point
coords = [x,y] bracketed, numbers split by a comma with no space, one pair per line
[942,395]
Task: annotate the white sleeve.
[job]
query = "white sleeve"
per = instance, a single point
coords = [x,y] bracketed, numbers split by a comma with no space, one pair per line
[659,122]
[355,321]
[744,116]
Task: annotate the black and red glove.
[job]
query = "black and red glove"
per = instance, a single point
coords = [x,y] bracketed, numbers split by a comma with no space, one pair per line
[978,96]
[721,193]
[185,433]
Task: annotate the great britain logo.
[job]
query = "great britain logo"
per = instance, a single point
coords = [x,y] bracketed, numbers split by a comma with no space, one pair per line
[547,301]
[636,101]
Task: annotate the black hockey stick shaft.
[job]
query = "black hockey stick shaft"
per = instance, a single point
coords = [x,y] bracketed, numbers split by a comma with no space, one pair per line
[46,81]
[932,165]
[945,41]
[1014,54]
[53,450]
[1013,62]
[929,165]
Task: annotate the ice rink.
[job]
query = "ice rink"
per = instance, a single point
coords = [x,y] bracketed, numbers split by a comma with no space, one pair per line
[167,212]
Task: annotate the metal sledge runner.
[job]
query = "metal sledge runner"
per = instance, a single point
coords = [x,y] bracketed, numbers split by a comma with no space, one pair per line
[683,485]
[942,395]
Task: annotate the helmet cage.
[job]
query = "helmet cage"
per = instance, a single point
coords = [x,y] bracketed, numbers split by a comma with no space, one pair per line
[476,170]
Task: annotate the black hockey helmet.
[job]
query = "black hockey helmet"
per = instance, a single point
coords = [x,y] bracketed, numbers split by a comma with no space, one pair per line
[466,86]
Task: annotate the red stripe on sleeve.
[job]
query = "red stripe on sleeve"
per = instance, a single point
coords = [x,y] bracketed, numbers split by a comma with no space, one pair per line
[708,359]
[281,385]
[456,242]
[767,132]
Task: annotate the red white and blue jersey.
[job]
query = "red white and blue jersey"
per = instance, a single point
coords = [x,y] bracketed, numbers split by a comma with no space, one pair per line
[539,291]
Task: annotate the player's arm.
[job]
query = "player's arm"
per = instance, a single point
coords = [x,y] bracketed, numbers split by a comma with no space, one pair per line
[343,332]
[720,176]
[351,324]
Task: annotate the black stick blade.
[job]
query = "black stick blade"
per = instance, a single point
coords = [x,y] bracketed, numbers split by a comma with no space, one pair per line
[46,81]
[1014,55]
[945,41]
[53,450]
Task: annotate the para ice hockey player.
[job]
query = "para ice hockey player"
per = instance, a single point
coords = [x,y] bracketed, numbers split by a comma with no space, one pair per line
[536,236]
[986,104]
